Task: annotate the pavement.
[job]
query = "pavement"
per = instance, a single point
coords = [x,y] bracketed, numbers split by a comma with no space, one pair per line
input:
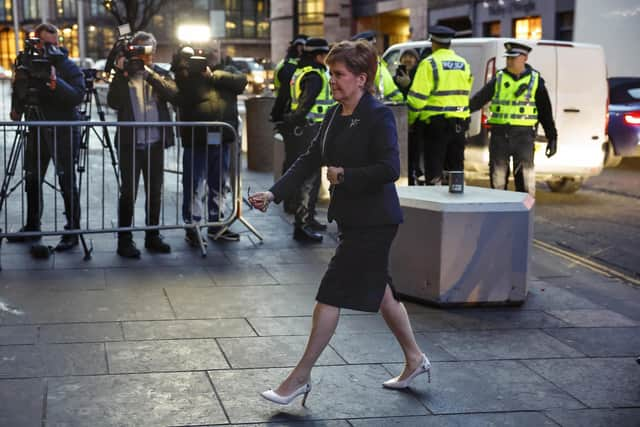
[182,340]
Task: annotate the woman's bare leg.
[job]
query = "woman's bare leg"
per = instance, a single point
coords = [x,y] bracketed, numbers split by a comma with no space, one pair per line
[324,323]
[395,315]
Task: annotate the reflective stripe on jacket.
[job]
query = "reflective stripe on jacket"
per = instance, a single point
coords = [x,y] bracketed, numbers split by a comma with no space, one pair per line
[514,101]
[324,100]
[441,86]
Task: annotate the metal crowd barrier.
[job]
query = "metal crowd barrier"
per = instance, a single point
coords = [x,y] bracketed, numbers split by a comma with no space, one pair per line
[96,151]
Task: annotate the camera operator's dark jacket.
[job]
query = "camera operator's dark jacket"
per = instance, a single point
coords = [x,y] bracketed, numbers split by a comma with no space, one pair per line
[119,99]
[60,104]
[211,98]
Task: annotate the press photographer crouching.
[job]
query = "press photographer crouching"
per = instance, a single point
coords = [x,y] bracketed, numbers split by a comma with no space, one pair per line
[139,92]
[205,95]
[48,87]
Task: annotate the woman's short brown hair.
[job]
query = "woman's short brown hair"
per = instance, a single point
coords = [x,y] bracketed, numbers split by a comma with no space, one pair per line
[359,57]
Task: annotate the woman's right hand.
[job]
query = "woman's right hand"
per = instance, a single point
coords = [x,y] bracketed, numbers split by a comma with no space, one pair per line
[261,200]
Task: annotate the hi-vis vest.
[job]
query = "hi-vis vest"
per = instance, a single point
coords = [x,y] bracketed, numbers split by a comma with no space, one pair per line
[324,100]
[384,85]
[441,86]
[276,81]
[513,108]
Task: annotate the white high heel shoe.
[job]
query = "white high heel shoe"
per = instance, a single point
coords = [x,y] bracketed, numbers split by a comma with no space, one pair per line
[285,400]
[425,366]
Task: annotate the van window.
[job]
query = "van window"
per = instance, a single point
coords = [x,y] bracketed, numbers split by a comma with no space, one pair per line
[624,92]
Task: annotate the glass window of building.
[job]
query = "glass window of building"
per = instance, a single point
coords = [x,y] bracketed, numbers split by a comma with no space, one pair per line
[491,29]
[6,13]
[529,27]
[310,17]
[30,10]
[564,26]
[66,8]
[245,18]
[8,48]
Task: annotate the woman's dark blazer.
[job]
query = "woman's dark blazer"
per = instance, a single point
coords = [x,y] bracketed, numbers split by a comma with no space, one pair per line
[368,151]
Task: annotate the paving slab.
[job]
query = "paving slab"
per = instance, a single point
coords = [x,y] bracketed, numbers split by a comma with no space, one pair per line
[21,361]
[516,318]
[545,296]
[513,419]
[598,383]
[295,423]
[501,344]
[86,306]
[487,386]
[21,402]
[81,332]
[176,329]
[269,352]
[164,356]
[338,392]
[74,359]
[157,277]
[285,256]
[287,274]
[169,399]
[289,325]
[600,342]
[593,318]
[241,275]
[597,417]
[12,335]
[242,301]
[53,280]
[382,348]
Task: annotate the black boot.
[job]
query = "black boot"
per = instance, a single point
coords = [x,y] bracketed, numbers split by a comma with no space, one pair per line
[67,241]
[315,225]
[304,233]
[127,248]
[154,243]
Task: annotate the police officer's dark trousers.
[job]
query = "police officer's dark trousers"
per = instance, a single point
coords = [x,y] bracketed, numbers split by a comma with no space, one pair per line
[43,145]
[308,195]
[517,142]
[443,144]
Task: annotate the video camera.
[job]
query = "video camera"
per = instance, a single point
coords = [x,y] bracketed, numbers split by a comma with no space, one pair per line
[188,61]
[123,47]
[33,68]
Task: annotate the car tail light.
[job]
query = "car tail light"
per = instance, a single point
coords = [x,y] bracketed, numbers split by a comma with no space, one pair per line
[632,118]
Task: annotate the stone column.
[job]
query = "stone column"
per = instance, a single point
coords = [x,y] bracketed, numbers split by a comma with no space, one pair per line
[281,28]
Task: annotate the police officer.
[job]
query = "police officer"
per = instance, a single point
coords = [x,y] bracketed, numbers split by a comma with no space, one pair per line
[519,99]
[282,77]
[438,102]
[310,100]
[384,86]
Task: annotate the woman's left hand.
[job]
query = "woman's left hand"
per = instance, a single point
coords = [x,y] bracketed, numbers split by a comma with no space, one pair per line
[335,174]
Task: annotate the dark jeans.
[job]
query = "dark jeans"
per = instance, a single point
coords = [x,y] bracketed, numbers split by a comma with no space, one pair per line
[414,142]
[149,162]
[516,142]
[444,142]
[199,164]
[42,146]
[297,144]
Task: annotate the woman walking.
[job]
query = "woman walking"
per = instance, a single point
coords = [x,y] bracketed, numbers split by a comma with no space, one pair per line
[358,143]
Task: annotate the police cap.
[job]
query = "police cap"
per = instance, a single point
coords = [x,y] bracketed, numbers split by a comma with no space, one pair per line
[515,49]
[299,39]
[441,34]
[365,35]
[316,45]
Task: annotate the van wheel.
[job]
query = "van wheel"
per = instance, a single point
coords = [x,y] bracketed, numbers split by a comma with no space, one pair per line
[611,160]
[565,184]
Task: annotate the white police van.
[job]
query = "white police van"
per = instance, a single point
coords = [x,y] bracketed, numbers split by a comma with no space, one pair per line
[575,75]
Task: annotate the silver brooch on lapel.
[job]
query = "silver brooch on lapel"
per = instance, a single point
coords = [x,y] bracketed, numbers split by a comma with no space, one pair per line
[354,122]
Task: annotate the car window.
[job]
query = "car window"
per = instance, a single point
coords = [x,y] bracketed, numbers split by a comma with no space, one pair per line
[391,58]
[254,66]
[624,91]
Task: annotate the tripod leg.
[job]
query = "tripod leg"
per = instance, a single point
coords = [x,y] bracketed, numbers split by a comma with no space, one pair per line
[87,250]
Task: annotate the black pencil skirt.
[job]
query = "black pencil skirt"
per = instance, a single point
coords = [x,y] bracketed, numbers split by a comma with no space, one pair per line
[358,272]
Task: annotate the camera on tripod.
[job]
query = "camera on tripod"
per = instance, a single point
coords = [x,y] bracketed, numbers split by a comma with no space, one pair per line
[33,69]
[189,61]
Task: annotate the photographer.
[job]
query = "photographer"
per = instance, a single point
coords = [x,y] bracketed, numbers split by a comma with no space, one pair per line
[48,86]
[204,95]
[139,93]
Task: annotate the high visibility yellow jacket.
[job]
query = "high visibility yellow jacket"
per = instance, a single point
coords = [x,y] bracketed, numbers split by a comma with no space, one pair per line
[324,100]
[441,86]
[276,81]
[385,87]
[514,101]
